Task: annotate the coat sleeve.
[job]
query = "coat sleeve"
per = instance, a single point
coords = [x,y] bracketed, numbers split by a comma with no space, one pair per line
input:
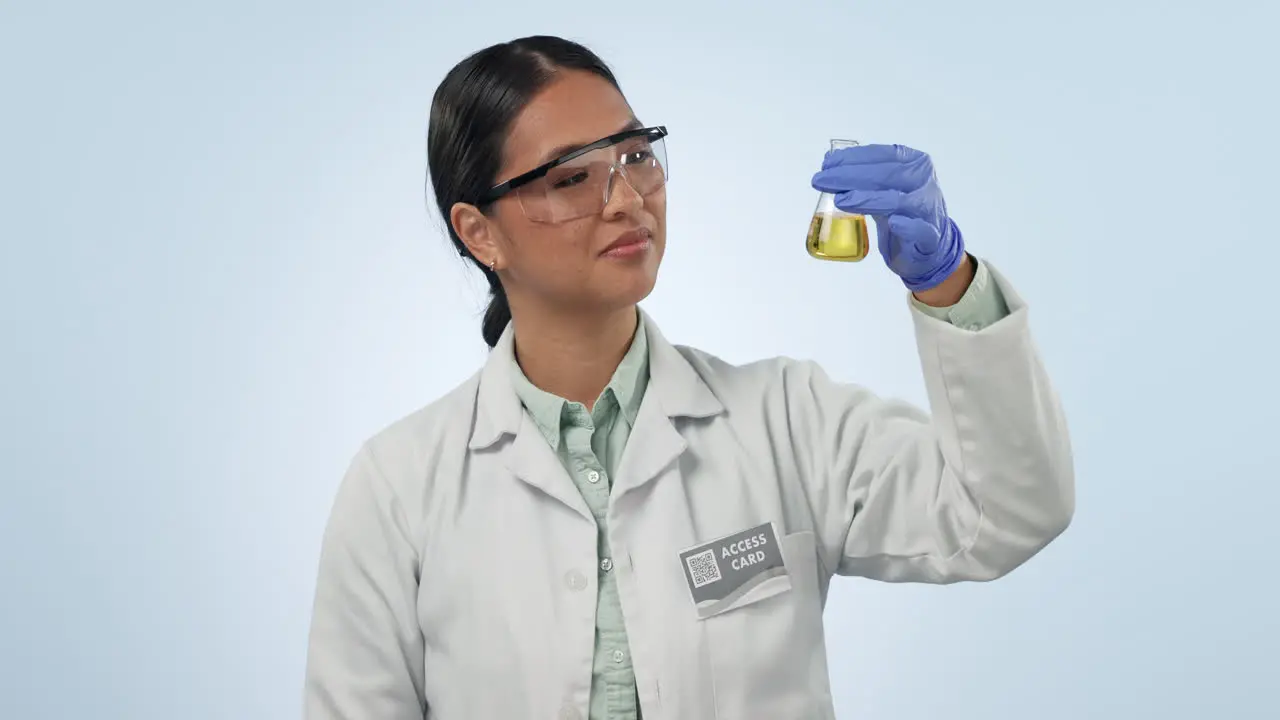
[969,491]
[365,655]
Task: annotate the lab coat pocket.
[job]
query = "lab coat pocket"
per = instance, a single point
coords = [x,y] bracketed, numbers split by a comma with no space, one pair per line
[762,587]
[766,649]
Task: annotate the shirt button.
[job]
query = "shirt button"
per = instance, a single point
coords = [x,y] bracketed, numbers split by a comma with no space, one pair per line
[593,477]
[575,580]
[606,564]
[617,656]
[568,713]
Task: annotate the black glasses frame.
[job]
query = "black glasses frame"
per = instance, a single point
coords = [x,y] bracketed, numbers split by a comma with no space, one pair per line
[653,134]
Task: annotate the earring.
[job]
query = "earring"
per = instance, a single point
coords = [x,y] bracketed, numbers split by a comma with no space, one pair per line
[493,262]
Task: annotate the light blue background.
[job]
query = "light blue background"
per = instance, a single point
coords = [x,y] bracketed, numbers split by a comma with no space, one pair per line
[219,276]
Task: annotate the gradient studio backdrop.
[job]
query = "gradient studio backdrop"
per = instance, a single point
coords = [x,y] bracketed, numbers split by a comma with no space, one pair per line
[219,277]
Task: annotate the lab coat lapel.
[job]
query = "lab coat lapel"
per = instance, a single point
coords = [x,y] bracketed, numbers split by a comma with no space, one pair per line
[675,390]
[532,460]
[654,444]
[499,414]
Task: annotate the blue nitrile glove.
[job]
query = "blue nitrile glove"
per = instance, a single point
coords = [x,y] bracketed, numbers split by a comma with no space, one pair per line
[896,186]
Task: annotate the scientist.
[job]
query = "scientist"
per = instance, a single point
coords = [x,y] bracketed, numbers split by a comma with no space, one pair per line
[602,525]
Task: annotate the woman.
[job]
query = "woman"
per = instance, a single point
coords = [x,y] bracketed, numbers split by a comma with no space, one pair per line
[600,524]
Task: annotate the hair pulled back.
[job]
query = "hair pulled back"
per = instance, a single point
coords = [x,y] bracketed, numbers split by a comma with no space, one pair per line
[471,113]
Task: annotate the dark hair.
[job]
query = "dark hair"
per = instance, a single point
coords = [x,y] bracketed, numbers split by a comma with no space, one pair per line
[471,114]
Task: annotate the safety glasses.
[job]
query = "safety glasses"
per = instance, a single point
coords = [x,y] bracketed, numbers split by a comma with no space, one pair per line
[579,183]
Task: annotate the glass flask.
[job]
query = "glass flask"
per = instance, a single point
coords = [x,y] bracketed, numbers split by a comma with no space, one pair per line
[835,234]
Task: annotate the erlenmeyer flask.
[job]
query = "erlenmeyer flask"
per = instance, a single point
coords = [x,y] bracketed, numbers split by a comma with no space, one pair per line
[834,234]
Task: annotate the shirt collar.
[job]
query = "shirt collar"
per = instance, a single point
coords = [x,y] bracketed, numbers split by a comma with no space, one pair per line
[627,387]
[674,386]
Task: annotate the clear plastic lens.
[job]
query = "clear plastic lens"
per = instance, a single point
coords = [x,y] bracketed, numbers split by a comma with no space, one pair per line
[582,186]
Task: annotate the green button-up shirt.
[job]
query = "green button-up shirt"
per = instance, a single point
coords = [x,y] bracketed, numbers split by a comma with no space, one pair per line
[589,444]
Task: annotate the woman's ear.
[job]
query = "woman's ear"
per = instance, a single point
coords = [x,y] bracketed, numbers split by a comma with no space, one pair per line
[477,232]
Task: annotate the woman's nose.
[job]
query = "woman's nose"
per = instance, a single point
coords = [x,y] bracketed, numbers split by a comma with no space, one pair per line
[619,193]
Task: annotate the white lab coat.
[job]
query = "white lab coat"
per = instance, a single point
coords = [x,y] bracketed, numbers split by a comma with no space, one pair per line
[458,573]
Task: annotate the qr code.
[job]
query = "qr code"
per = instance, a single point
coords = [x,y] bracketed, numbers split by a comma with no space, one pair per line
[703,568]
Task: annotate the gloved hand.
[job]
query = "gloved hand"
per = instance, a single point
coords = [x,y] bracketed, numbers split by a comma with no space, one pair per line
[896,186]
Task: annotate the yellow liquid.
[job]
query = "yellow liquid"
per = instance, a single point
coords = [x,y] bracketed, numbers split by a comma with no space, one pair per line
[838,237]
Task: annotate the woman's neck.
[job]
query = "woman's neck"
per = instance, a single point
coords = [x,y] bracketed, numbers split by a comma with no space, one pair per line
[573,357]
